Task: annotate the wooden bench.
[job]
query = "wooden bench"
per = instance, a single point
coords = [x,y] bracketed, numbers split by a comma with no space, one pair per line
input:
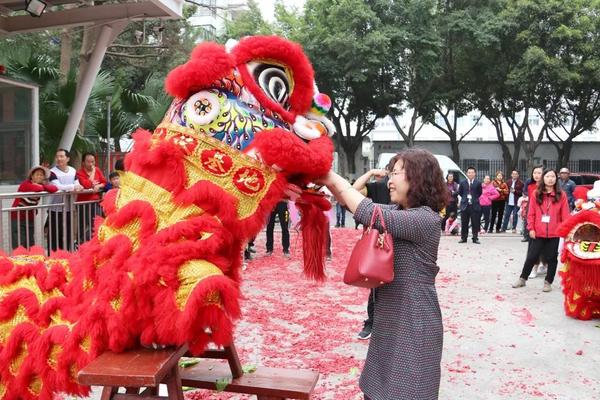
[135,370]
[144,370]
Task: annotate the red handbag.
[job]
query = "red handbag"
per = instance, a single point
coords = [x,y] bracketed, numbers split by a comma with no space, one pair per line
[371,263]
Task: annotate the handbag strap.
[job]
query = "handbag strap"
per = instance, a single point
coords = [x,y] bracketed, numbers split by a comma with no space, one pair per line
[377,213]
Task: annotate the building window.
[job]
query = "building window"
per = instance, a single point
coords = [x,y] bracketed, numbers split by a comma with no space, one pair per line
[208,32]
[15,133]
[206,8]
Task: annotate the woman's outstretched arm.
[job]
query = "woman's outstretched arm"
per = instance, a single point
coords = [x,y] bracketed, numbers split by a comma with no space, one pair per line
[343,191]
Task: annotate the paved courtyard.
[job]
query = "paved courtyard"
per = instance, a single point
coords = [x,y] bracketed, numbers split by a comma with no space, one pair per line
[499,342]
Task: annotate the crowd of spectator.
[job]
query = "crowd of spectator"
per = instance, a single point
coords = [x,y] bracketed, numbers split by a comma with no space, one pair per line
[88,182]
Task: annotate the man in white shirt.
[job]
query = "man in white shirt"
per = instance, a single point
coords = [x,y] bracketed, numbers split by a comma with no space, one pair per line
[65,178]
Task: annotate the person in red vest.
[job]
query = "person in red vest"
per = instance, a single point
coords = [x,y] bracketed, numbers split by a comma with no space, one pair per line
[22,221]
[90,177]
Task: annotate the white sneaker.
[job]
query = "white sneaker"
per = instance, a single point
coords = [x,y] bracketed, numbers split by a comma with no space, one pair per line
[542,269]
[547,287]
[519,283]
[534,272]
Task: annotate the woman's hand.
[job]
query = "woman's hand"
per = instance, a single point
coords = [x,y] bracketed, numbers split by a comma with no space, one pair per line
[532,234]
[292,192]
[325,180]
[378,173]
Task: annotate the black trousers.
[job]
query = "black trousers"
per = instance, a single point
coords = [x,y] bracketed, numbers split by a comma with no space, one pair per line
[281,210]
[485,212]
[497,211]
[472,215]
[56,233]
[547,249]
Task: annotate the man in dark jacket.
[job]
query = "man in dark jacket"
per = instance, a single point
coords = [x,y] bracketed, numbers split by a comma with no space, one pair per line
[469,191]
[515,188]
[567,186]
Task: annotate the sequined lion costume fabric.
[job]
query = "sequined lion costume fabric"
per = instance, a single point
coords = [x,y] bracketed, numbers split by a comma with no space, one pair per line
[581,257]
[163,266]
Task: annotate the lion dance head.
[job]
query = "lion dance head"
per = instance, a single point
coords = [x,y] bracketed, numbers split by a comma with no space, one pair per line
[163,266]
[581,257]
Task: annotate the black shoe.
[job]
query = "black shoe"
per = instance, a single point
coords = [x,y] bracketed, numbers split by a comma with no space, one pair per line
[365,333]
[462,241]
[269,252]
[251,249]
[286,253]
[476,241]
[524,240]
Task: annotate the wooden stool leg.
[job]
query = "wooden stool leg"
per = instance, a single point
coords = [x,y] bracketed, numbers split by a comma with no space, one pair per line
[174,385]
[132,390]
[108,392]
[149,391]
[234,361]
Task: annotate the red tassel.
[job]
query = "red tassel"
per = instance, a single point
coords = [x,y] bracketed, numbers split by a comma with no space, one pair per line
[314,233]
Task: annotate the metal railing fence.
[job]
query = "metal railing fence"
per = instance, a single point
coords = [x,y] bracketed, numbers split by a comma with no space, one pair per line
[57,221]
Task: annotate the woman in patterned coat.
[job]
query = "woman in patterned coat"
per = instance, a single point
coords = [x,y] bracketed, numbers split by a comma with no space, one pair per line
[405,351]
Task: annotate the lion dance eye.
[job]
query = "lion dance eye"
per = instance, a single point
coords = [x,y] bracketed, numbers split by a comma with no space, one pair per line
[201,109]
[274,81]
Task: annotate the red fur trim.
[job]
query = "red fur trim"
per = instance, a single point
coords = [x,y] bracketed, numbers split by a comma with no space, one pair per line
[152,160]
[286,150]
[576,219]
[266,48]
[314,227]
[209,62]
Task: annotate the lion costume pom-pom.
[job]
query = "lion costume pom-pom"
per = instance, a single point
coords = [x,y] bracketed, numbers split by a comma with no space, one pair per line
[163,266]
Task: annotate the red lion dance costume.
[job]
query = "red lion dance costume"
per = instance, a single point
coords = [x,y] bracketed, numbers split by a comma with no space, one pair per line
[581,257]
[163,266]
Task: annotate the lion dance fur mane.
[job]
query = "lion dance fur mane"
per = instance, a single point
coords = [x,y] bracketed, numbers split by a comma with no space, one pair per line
[163,266]
[580,273]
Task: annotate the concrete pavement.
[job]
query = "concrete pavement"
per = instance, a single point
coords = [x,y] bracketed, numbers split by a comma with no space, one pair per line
[499,342]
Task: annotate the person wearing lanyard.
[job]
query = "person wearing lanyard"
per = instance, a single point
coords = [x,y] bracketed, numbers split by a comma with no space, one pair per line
[548,208]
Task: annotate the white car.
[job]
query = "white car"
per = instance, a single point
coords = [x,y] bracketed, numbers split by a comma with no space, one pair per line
[446,164]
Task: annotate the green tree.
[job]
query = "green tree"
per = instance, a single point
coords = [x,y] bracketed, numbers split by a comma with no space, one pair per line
[573,56]
[351,51]
[248,22]
[459,23]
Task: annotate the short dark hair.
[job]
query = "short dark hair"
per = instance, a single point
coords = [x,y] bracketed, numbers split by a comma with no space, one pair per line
[120,165]
[471,167]
[425,189]
[113,175]
[87,153]
[67,153]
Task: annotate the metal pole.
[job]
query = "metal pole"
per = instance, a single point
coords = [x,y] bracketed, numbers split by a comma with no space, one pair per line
[108,110]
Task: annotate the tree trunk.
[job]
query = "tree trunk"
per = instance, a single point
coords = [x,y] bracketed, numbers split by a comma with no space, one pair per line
[350,148]
[564,154]
[87,46]
[455,149]
[66,52]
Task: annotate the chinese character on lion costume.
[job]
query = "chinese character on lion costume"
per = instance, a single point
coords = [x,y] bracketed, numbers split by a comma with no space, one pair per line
[580,273]
[163,266]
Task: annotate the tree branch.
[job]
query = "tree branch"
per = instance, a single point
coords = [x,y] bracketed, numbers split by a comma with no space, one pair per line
[114,54]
